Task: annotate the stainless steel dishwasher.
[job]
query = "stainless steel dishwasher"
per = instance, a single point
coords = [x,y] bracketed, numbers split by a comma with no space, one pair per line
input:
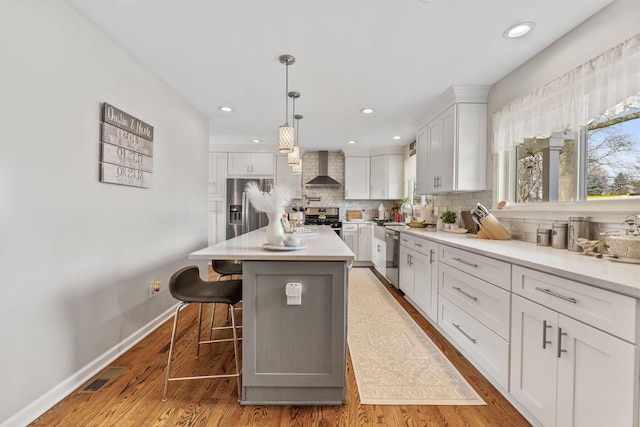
[392,239]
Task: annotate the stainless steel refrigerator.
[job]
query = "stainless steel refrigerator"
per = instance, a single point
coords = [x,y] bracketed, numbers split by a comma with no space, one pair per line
[241,216]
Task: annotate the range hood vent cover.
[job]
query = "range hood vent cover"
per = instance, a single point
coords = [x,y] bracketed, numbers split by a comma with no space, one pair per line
[323,179]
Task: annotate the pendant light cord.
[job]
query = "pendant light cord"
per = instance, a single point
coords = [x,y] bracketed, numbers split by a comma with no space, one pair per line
[286,95]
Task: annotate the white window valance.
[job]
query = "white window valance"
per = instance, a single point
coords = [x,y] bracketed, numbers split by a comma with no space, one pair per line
[607,85]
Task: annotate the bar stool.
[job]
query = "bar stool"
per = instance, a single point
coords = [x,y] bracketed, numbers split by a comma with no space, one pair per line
[186,285]
[224,268]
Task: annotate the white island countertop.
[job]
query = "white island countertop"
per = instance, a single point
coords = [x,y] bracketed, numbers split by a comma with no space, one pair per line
[328,246]
[604,273]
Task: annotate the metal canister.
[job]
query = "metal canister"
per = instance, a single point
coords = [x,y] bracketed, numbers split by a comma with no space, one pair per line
[559,236]
[578,228]
[543,237]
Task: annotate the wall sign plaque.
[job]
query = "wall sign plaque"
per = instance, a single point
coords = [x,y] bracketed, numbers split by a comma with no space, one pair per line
[116,136]
[126,151]
[122,175]
[119,118]
[123,157]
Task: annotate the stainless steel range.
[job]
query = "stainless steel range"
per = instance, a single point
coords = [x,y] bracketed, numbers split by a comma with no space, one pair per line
[324,216]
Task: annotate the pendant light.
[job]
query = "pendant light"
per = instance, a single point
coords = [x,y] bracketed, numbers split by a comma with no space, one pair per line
[296,168]
[294,155]
[286,131]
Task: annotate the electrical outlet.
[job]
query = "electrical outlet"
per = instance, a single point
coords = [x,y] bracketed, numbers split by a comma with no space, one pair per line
[154,288]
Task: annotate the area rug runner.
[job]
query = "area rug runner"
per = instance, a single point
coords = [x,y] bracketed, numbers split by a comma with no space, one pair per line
[394,361]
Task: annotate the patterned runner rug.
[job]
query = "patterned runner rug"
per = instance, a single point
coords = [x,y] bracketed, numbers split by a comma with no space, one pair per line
[394,361]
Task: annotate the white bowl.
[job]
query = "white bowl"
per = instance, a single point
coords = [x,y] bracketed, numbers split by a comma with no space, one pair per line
[624,246]
[291,240]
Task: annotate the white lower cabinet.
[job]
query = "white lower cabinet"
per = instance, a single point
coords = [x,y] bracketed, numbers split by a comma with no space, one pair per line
[475,308]
[378,256]
[418,265]
[359,238]
[217,219]
[565,372]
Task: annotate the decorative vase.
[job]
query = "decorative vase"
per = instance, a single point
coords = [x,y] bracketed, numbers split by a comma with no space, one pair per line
[447,225]
[275,231]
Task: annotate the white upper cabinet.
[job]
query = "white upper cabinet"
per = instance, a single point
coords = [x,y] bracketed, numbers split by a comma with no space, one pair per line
[251,164]
[386,177]
[356,177]
[451,142]
[285,176]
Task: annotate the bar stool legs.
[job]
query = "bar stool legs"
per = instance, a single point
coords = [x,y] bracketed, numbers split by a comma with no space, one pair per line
[233,327]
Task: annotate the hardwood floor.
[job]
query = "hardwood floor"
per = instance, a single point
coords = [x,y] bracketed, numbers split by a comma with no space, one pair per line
[134,398]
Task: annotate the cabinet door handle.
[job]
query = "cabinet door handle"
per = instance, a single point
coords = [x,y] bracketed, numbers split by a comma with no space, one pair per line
[471,297]
[431,253]
[473,340]
[560,350]
[466,262]
[553,294]
[410,260]
[544,334]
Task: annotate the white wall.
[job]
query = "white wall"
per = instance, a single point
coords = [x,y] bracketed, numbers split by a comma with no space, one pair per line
[77,255]
[609,27]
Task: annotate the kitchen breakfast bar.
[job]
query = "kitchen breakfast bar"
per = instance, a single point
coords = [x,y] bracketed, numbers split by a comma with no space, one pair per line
[291,354]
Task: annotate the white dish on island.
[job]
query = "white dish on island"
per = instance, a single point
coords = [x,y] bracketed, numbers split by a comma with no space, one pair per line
[456,230]
[282,247]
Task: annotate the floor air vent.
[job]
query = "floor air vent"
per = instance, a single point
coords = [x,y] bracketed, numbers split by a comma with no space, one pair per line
[102,379]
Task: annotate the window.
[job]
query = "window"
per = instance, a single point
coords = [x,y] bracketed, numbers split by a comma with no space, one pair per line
[575,140]
[607,154]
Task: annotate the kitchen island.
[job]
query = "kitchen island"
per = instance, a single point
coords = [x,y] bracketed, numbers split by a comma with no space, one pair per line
[291,354]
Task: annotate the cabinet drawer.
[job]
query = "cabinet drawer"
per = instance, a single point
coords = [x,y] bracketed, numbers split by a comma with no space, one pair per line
[418,244]
[349,227]
[485,302]
[485,268]
[488,350]
[605,310]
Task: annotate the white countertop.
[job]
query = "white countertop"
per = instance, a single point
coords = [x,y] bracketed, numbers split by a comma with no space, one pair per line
[328,246]
[600,272]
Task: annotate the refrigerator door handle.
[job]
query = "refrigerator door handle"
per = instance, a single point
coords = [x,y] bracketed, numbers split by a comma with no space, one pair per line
[245,214]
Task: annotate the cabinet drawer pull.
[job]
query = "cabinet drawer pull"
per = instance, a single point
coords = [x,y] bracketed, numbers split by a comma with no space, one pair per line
[560,350]
[473,340]
[553,294]
[418,245]
[465,262]
[544,334]
[471,297]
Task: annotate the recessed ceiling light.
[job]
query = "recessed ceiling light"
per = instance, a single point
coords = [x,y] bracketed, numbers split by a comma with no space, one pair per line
[226,109]
[518,30]
[396,137]
[367,110]
[257,141]
[351,142]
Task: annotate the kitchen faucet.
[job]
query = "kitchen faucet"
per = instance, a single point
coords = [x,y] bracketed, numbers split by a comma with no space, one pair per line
[404,218]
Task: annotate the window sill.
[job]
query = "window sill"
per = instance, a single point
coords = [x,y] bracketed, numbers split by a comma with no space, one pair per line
[596,210]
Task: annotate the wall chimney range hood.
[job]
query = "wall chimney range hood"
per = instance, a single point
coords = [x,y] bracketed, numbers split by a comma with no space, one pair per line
[323,180]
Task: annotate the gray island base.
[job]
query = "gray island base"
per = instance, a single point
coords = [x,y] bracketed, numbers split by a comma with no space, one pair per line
[291,354]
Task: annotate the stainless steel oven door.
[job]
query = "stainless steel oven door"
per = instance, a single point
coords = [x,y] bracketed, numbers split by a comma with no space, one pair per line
[392,239]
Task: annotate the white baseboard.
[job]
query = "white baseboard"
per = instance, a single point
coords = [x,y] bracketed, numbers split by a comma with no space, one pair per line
[62,390]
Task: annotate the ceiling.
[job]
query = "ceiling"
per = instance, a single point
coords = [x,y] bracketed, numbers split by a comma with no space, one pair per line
[396,56]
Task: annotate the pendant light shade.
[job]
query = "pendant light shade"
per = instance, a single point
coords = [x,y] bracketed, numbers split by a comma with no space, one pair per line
[286,134]
[286,138]
[297,169]
[294,156]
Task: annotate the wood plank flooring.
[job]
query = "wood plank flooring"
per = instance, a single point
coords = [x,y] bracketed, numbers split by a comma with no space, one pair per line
[134,398]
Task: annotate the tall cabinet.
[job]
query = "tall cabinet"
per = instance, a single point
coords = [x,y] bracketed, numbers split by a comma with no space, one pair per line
[451,142]
[217,197]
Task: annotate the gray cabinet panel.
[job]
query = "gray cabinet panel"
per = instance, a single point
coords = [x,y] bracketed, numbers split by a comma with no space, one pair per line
[287,347]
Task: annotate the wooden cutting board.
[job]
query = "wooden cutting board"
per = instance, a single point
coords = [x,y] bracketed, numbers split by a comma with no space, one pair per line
[354,214]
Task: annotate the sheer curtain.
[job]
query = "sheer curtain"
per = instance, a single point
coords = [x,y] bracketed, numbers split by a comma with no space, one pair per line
[608,84]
